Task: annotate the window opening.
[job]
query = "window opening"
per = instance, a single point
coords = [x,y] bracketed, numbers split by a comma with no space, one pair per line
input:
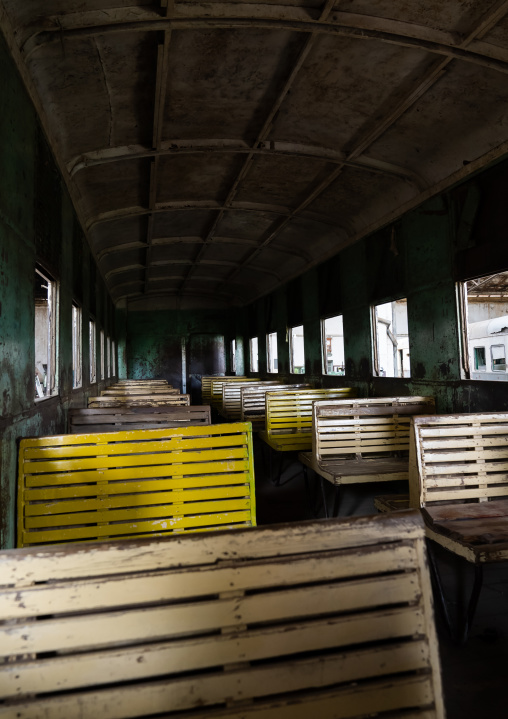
[77,344]
[108,356]
[391,339]
[103,358]
[483,310]
[113,358]
[254,357]
[272,355]
[233,356]
[332,342]
[296,350]
[46,337]
[92,339]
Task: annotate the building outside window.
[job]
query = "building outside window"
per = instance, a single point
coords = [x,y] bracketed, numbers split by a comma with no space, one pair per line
[254,357]
[296,350]
[332,343]
[391,339]
[77,344]
[46,335]
[272,352]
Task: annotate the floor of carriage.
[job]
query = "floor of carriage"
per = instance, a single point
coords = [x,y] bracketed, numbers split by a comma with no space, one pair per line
[473,674]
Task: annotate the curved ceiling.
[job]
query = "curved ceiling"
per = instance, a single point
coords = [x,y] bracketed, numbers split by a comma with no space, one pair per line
[216,150]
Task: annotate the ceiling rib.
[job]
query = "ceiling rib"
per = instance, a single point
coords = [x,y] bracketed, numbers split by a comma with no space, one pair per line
[309,42]
[404,35]
[206,147]
[488,20]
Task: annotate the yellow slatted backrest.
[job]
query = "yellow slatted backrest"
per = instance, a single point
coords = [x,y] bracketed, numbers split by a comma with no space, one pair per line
[365,427]
[133,483]
[457,458]
[299,620]
[290,411]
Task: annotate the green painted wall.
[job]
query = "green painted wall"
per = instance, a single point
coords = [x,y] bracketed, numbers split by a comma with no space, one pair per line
[37,223]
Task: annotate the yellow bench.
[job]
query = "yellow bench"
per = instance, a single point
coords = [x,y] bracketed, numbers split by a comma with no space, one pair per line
[113,419]
[289,416]
[362,440]
[459,480]
[317,619]
[85,487]
[253,401]
[140,400]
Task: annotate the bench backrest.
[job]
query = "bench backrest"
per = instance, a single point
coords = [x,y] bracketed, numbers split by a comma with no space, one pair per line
[232,396]
[458,458]
[217,384]
[140,383]
[136,391]
[291,410]
[253,399]
[352,429]
[113,419]
[206,387]
[140,400]
[83,487]
[315,619]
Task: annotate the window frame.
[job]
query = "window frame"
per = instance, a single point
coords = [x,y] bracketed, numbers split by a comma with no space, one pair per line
[77,346]
[92,349]
[233,355]
[102,358]
[53,323]
[269,358]
[482,368]
[324,351]
[493,369]
[253,340]
[376,367]
[292,348]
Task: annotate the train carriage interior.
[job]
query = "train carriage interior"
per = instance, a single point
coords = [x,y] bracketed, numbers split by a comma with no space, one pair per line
[300,192]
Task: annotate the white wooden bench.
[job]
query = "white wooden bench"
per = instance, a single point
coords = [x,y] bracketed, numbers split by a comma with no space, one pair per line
[113,419]
[141,400]
[329,619]
[362,440]
[459,480]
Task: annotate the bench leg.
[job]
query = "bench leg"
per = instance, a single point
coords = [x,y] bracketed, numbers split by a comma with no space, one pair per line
[323,495]
[462,633]
[336,501]
[310,487]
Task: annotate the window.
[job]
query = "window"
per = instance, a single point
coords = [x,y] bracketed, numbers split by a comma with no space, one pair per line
[483,311]
[271,349]
[498,358]
[332,342]
[102,354]
[233,356]
[92,339]
[296,350]
[77,341]
[480,362]
[108,356]
[46,338]
[391,339]
[254,363]
[113,358]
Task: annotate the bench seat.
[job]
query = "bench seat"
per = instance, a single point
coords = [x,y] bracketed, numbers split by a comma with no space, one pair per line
[113,419]
[320,619]
[348,471]
[86,487]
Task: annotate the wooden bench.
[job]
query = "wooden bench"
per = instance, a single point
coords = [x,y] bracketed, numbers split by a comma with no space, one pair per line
[136,391]
[83,487]
[363,440]
[114,419]
[253,402]
[217,384]
[289,416]
[206,385]
[232,397]
[142,400]
[140,383]
[329,619]
[459,480]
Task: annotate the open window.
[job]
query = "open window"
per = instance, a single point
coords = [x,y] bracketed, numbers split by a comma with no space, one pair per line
[296,350]
[233,356]
[254,357]
[103,355]
[108,356]
[272,352]
[92,344]
[483,311]
[113,358]
[391,339]
[332,343]
[46,334]
[77,344]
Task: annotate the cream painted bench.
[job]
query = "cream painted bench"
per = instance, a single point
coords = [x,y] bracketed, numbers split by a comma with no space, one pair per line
[253,402]
[459,480]
[329,619]
[118,485]
[141,400]
[113,419]
[362,440]
[217,384]
[231,407]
